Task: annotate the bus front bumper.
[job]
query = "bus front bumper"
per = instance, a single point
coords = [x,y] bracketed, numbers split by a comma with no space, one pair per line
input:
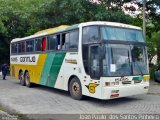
[124,90]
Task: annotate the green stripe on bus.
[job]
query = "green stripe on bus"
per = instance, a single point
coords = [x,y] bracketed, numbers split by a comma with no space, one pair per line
[137,78]
[51,69]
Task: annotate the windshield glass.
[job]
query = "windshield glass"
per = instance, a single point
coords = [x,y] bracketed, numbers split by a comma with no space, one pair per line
[138,60]
[122,34]
[122,60]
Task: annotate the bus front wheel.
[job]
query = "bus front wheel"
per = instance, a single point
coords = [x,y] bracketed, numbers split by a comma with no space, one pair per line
[21,78]
[27,79]
[75,89]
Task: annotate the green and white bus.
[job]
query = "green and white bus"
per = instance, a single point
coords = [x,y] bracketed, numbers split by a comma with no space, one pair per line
[104,60]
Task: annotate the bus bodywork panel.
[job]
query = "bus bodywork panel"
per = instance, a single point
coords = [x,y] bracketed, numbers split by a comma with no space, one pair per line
[55,69]
[99,89]
[123,88]
[18,63]
[44,71]
[124,91]
[52,69]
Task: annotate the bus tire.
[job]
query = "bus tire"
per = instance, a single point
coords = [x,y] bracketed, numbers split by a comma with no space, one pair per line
[75,89]
[21,78]
[27,80]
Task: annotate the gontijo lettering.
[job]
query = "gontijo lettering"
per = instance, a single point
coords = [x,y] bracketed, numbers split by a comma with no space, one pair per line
[28,59]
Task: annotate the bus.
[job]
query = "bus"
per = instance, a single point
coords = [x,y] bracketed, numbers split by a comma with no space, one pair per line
[99,59]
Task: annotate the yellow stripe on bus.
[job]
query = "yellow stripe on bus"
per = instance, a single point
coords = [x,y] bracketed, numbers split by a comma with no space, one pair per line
[35,71]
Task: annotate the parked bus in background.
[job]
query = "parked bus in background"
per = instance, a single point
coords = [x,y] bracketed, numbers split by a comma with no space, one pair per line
[104,60]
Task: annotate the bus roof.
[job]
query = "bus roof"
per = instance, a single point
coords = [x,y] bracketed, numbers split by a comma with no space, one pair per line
[67,27]
[115,24]
[53,30]
[29,37]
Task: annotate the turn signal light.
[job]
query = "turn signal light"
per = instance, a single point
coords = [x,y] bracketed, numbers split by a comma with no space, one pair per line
[107,83]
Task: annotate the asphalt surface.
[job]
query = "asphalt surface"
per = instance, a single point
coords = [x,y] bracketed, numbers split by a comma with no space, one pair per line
[48,101]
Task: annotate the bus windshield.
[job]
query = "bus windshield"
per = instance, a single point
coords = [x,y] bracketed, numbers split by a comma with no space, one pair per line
[124,60]
[122,34]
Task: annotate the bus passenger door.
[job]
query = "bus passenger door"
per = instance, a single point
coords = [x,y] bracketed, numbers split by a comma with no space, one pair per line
[94,62]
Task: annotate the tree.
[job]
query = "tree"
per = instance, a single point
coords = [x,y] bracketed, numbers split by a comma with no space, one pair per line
[21,18]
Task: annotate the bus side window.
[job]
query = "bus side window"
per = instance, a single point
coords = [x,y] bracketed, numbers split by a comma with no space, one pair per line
[58,42]
[90,34]
[65,41]
[14,48]
[21,47]
[38,44]
[51,41]
[44,43]
[73,40]
[30,46]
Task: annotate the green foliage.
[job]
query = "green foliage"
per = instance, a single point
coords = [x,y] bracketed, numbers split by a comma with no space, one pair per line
[152,14]
[152,71]
[156,37]
[153,44]
[19,18]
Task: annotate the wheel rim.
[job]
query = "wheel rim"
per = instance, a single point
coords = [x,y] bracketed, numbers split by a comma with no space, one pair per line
[75,89]
[27,79]
[21,77]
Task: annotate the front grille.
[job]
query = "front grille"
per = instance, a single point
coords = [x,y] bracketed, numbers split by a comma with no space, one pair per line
[137,81]
[126,82]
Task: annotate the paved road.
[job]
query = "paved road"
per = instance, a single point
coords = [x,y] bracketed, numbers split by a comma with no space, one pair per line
[44,100]
[6,116]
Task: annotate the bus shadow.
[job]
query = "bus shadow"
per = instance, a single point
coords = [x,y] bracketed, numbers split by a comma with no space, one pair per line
[51,90]
[46,89]
[112,102]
